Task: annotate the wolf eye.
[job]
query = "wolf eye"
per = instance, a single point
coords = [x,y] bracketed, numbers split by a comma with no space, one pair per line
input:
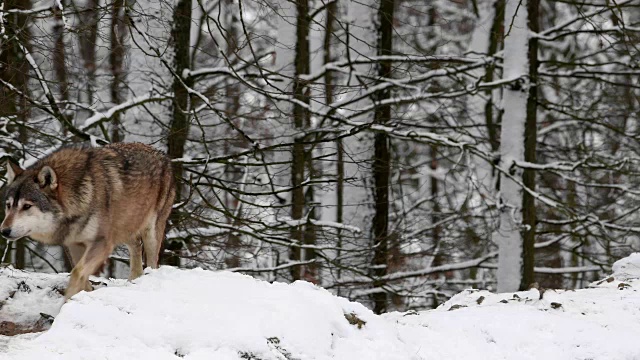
[26,207]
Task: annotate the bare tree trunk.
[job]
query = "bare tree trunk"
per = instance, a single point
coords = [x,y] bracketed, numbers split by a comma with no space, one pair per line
[89,18]
[435,215]
[232,105]
[15,71]
[509,236]
[330,19]
[116,60]
[179,127]
[181,104]
[530,138]
[300,121]
[297,205]
[310,272]
[382,160]
[59,58]
[495,39]
[339,202]
[435,209]
[486,39]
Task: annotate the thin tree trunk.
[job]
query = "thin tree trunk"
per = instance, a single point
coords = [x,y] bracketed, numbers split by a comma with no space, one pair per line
[310,271]
[495,39]
[300,121]
[339,202]
[179,127]
[435,209]
[509,236]
[330,19]
[15,70]
[435,215]
[232,106]
[382,161]
[116,60]
[90,17]
[486,39]
[530,135]
[180,106]
[59,58]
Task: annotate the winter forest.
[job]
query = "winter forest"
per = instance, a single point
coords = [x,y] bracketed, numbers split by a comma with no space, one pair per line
[394,152]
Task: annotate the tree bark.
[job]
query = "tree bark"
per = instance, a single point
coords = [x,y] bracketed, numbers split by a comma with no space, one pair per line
[495,39]
[330,19]
[180,106]
[116,60]
[382,160]
[530,136]
[89,18]
[232,106]
[59,58]
[14,69]
[300,120]
[179,126]
[438,258]
[509,236]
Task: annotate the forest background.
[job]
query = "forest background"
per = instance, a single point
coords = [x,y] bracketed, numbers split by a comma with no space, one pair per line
[394,152]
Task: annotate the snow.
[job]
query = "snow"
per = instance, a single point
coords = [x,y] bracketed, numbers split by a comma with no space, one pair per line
[23,296]
[197,314]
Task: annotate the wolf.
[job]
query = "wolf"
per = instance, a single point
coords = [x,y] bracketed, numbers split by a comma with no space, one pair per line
[91,199]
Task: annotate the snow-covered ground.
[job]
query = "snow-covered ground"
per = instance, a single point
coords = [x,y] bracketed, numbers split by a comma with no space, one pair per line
[196,314]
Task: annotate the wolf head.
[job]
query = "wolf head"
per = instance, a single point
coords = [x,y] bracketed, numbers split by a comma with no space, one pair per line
[29,201]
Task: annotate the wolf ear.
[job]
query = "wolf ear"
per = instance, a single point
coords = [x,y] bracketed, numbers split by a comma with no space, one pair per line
[13,171]
[48,177]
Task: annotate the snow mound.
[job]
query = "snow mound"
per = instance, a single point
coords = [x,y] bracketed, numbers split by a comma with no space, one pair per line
[627,267]
[196,314]
[27,300]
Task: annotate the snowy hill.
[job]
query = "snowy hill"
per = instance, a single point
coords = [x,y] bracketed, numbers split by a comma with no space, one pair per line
[196,314]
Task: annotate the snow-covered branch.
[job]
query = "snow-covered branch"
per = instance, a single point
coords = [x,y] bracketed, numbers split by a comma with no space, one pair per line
[116,109]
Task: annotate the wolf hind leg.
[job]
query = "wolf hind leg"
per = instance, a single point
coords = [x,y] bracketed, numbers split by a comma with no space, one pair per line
[93,258]
[159,226]
[151,245]
[135,258]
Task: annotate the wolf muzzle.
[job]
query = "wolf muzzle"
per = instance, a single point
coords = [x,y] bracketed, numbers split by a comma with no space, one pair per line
[6,233]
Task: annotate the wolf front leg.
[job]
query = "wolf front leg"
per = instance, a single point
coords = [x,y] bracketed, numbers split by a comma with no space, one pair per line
[95,255]
[76,251]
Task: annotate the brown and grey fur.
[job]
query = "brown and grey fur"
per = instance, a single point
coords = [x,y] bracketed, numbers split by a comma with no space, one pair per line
[90,200]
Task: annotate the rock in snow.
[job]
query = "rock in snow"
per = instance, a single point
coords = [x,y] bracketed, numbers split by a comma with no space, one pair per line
[196,314]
